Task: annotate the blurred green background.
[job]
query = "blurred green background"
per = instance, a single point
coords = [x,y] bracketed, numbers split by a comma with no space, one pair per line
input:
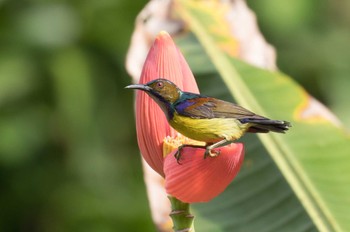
[312,39]
[68,154]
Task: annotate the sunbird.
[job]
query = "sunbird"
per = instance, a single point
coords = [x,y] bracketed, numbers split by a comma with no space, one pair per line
[207,119]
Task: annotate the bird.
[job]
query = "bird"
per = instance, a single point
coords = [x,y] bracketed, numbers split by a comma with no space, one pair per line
[207,119]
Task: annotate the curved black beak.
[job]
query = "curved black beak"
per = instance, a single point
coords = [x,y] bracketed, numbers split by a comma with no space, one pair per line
[140,87]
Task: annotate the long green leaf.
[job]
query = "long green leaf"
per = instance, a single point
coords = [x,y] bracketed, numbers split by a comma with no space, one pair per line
[314,156]
[259,194]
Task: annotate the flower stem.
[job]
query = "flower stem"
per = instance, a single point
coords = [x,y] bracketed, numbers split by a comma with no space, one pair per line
[181,216]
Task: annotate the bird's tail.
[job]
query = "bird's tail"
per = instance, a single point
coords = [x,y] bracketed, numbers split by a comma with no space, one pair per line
[264,125]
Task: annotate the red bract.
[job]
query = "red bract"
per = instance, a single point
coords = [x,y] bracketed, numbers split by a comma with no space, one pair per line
[198,179]
[164,60]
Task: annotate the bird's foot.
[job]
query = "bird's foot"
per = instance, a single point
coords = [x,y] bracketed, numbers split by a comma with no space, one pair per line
[177,154]
[211,153]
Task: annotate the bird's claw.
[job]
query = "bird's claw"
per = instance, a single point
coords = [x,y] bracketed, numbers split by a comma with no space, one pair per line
[177,155]
[207,153]
[211,153]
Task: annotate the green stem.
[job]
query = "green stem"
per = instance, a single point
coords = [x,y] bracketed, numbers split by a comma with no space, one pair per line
[181,216]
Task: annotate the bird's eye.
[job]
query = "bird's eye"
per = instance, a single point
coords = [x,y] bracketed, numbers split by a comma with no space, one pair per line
[160,84]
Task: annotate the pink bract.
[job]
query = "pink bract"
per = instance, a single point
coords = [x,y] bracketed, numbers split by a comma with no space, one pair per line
[164,60]
[198,179]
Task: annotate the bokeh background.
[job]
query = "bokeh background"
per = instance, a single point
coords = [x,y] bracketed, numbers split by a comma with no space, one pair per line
[68,153]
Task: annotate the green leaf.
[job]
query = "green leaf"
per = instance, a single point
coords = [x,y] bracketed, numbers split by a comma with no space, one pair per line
[309,187]
[259,194]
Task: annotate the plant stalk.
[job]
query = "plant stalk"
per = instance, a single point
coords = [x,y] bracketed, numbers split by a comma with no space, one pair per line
[181,216]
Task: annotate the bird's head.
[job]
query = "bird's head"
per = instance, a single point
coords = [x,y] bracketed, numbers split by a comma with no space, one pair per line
[161,90]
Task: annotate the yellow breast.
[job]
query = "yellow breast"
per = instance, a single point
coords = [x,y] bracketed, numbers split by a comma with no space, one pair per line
[208,130]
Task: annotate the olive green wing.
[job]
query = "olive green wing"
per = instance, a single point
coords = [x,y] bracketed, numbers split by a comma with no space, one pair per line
[197,106]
